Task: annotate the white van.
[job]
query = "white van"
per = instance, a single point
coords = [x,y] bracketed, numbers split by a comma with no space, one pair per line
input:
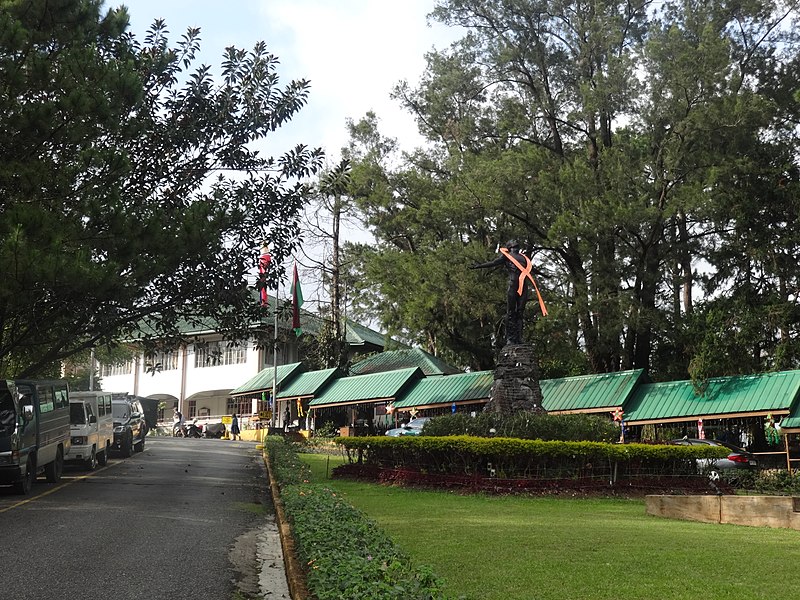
[91,425]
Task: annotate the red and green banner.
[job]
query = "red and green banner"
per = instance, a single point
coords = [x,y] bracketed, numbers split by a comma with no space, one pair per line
[263,266]
[297,302]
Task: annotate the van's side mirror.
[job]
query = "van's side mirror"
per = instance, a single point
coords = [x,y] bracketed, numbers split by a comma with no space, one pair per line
[27,412]
[92,419]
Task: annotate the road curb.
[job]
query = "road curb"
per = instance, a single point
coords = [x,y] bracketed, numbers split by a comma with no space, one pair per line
[295,575]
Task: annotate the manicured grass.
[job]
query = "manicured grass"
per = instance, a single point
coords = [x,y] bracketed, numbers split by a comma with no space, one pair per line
[508,548]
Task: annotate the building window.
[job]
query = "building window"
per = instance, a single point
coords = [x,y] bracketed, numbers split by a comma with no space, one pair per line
[240,406]
[124,368]
[161,361]
[192,408]
[214,354]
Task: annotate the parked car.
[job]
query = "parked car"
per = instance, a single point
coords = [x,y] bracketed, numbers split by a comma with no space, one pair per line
[130,428]
[736,459]
[413,427]
[91,428]
[34,431]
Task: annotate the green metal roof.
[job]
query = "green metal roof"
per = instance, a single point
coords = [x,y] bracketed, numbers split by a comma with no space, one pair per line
[743,394]
[790,422]
[358,335]
[309,384]
[399,359]
[263,381]
[463,388]
[588,393]
[365,388]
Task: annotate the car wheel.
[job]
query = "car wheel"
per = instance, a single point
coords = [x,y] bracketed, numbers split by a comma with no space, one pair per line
[126,448]
[25,483]
[102,458]
[140,445]
[91,463]
[54,470]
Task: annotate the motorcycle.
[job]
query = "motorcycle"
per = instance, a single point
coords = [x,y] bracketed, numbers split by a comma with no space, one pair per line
[192,429]
[214,430]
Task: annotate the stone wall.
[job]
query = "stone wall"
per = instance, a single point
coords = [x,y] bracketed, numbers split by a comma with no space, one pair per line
[754,511]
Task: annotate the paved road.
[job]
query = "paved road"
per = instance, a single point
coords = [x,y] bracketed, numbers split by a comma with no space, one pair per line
[187,518]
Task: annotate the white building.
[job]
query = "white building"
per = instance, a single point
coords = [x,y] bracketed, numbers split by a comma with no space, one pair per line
[198,377]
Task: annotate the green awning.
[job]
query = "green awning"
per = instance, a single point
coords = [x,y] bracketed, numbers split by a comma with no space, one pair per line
[263,381]
[367,388]
[723,397]
[590,393]
[463,388]
[308,384]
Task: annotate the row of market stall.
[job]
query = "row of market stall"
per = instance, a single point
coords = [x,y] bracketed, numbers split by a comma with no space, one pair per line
[760,413]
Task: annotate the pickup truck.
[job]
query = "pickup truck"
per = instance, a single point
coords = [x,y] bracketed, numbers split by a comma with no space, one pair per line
[130,428]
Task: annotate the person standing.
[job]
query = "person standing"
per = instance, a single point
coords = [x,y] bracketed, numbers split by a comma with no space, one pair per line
[177,423]
[235,427]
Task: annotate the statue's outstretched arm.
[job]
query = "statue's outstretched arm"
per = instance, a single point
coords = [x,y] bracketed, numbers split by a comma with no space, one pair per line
[492,263]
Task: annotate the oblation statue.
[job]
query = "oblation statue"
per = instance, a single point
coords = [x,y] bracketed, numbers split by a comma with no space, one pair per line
[516,377]
[519,267]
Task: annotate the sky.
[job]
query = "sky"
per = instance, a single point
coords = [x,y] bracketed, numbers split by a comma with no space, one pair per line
[352,51]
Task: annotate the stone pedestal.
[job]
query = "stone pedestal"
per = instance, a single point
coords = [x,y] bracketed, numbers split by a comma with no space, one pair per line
[516,381]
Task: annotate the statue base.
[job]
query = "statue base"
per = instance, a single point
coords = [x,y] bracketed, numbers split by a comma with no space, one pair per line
[516,382]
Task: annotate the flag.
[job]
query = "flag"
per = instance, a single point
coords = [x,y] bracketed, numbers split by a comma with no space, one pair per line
[297,302]
[263,265]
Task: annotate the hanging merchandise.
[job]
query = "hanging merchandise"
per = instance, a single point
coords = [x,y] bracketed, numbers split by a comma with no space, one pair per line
[744,438]
[770,432]
[701,434]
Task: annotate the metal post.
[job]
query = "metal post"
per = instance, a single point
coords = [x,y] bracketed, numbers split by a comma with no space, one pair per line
[274,364]
[91,370]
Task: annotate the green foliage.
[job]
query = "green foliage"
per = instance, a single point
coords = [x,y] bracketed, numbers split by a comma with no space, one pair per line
[635,195]
[527,426]
[771,482]
[512,458]
[476,446]
[327,430]
[347,556]
[134,198]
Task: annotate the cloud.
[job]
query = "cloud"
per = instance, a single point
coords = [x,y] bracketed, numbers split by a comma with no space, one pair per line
[354,52]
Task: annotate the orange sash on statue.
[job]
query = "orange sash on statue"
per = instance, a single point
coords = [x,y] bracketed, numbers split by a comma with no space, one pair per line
[525,272]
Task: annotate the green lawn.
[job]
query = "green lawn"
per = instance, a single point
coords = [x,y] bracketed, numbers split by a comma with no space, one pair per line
[509,548]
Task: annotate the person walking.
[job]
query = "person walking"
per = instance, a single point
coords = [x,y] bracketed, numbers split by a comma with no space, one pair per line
[235,428]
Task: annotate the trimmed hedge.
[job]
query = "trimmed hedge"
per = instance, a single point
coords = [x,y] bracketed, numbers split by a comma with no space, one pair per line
[511,457]
[500,446]
[526,425]
[346,554]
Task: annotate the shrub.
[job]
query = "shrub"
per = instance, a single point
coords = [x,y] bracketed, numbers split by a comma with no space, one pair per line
[326,430]
[518,458]
[526,425]
[347,556]
[772,481]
